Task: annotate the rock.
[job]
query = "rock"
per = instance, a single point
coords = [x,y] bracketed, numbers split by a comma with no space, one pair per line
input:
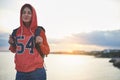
[116,62]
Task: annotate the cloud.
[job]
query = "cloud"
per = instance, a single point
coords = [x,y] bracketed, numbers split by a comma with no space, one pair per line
[109,39]
[100,38]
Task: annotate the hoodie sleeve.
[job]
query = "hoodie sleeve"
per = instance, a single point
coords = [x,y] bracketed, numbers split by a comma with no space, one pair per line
[44,46]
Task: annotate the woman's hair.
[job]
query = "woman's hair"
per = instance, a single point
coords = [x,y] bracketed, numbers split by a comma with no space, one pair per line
[26,5]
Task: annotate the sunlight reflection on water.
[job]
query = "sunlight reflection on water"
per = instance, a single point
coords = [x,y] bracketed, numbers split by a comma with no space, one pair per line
[65,67]
[80,67]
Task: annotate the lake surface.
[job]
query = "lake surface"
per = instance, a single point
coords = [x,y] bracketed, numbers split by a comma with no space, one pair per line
[65,67]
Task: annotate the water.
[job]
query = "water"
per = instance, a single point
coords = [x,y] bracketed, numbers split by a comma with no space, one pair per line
[65,67]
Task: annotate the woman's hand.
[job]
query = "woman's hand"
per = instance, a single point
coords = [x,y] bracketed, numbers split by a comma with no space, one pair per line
[10,41]
[39,40]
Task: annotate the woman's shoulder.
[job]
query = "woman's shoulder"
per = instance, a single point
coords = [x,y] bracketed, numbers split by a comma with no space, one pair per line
[15,30]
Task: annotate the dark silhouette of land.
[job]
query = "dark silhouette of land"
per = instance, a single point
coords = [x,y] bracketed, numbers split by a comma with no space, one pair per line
[115,62]
[107,53]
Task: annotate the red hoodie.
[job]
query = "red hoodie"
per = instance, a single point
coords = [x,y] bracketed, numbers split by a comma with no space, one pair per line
[27,58]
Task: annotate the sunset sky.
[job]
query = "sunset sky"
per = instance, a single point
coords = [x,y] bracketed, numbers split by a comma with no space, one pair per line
[70,24]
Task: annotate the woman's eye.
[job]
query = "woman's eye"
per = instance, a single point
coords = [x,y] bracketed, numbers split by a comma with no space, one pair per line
[24,12]
[29,12]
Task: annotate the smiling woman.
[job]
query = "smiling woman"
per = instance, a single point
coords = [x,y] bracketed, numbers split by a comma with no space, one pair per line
[23,42]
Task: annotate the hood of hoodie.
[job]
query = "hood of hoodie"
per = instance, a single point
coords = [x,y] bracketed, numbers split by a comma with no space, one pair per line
[33,25]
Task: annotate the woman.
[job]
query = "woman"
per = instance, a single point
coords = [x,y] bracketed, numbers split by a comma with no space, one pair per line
[28,62]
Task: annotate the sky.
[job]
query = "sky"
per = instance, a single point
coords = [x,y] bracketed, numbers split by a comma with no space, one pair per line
[69,24]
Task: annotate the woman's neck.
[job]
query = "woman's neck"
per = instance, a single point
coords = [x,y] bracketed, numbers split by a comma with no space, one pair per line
[27,24]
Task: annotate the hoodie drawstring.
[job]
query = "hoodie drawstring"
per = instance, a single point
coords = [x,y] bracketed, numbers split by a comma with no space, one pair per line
[21,31]
[31,32]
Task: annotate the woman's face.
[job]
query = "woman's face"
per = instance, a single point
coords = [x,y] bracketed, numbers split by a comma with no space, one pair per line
[26,15]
